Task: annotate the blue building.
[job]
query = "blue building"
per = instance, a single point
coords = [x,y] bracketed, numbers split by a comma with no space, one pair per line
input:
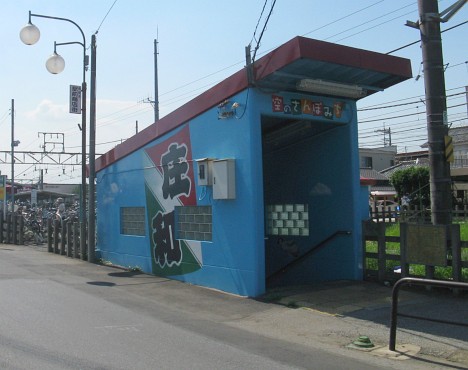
[253,183]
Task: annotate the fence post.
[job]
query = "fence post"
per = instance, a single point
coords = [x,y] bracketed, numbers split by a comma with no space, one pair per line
[83,243]
[63,236]
[21,230]
[49,235]
[56,232]
[14,229]
[430,270]
[363,246]
[8,229]
[381,251]
[404,268]
[69,239]
[75,240]
[2,222]
[456,252]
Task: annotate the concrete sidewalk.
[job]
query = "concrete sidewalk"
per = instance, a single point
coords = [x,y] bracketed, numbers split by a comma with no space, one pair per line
[327,315]
[345,297]
[364,309]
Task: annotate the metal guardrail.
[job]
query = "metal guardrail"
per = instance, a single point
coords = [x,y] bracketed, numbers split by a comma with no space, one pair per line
[424,282]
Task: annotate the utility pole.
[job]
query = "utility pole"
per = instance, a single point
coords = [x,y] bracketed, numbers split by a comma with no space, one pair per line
[155,103]
[12,188]
[436,105]
[92,154]
[466,96]
[436,111]
[156,92]
[385,132]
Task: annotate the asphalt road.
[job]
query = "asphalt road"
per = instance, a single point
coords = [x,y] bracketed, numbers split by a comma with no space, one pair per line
[60,313]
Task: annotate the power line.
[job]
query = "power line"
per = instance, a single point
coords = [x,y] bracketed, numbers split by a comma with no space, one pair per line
[452,98]
[453,118]
[373,19]
[406,115]
[105,17]
[418,41]
[412,97]
[402,104]
[263,30]
[340,19]
[258,22]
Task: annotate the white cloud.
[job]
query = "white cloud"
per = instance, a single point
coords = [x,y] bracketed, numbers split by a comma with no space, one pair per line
[46,110]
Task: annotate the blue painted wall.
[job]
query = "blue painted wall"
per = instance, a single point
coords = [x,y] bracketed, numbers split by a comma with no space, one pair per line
[234,260]
[324,172]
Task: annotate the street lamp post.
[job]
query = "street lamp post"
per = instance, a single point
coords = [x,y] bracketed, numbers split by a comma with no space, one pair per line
[29,35]
[13,144]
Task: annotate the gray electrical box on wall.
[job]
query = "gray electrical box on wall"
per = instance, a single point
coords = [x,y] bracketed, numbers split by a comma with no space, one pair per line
[204,174]
[224,179]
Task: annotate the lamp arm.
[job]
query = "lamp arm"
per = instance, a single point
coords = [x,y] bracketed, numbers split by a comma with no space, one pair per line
[76,25]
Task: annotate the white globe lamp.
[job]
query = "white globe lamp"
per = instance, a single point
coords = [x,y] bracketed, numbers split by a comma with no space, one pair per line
[30,34]
[55,64]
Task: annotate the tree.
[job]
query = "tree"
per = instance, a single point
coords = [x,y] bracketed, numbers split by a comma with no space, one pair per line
[413,182]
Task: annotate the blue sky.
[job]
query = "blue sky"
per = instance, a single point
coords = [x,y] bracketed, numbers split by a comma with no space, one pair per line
[200,44]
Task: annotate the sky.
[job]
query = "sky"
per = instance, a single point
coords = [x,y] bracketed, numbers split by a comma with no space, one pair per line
[200,43]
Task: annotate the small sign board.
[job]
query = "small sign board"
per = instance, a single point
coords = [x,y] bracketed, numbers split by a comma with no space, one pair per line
[2,188]
[34,197]
[3,194]
[75,99]
[427,244]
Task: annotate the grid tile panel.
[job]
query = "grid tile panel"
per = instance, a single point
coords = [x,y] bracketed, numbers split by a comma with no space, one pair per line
[194,223]
[288,219]
[132,221]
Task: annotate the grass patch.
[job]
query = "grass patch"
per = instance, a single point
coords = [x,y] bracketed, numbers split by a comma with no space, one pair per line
[273,297]
[292,304]
[134,269]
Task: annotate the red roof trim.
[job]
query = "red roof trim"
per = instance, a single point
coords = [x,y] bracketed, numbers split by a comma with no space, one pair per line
[353,57]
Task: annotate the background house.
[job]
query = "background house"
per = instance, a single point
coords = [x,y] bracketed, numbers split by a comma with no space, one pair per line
[377,159]
[372,161]
[459,166]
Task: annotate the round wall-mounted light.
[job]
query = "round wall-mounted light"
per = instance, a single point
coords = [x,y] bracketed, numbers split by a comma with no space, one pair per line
[55,64]
[30,34]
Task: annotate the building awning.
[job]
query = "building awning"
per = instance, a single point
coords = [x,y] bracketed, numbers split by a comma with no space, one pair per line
[307,59]
[44,195]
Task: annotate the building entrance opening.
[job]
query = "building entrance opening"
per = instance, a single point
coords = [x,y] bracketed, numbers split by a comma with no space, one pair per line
[304,169]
